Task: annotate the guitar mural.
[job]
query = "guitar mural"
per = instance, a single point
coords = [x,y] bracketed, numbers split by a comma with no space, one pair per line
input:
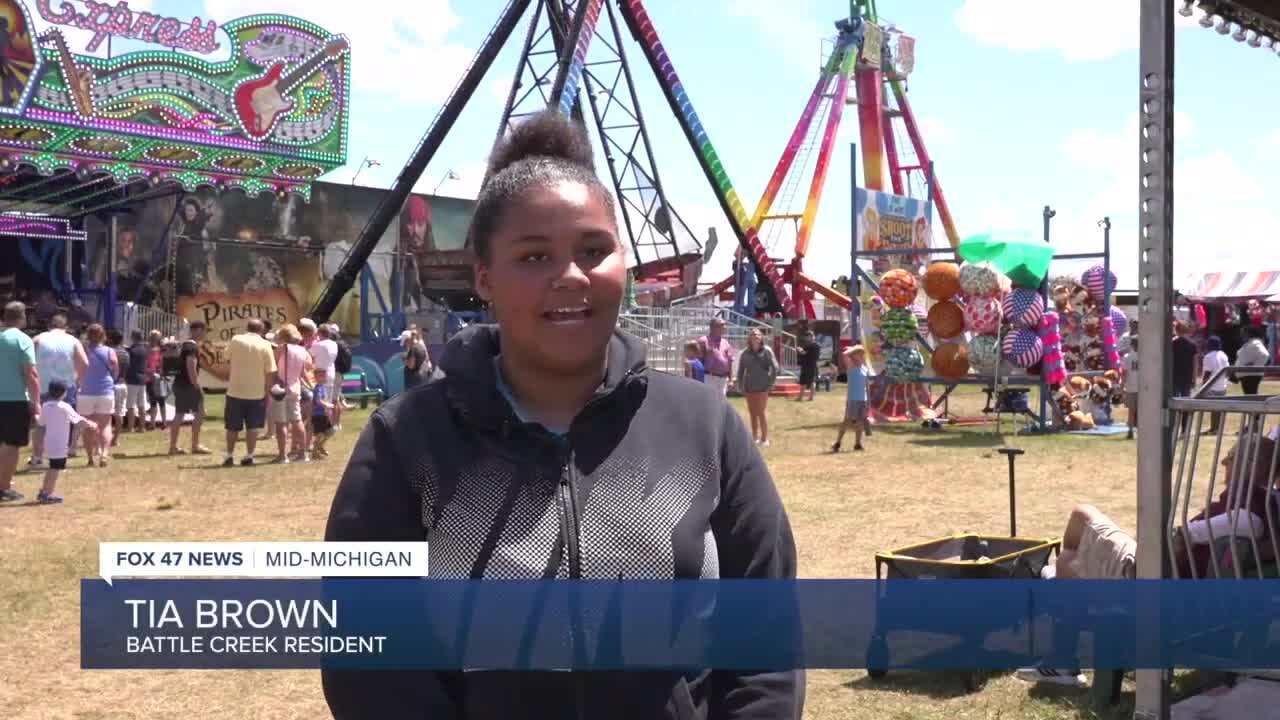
[270,118]
[78,77]
[260,102]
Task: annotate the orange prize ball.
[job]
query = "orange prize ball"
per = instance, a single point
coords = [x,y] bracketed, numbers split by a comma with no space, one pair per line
[898,288]
[942,280]
[946,320]
[951,360]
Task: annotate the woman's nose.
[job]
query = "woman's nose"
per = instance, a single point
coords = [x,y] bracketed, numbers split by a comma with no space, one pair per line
[571,276]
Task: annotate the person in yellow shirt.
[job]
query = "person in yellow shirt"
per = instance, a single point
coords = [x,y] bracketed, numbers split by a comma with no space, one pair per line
[253,372]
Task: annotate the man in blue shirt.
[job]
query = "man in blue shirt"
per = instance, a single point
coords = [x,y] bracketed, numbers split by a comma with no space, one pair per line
[19,394]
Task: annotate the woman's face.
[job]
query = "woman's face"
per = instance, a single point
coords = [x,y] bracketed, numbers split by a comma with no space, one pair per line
[755,341]
[555,277]
[189,212]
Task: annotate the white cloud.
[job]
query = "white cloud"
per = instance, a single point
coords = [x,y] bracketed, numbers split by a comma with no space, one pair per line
[1077,33]
[1221,213]
[932,131]
[501,89]
[398,47]
[789,28]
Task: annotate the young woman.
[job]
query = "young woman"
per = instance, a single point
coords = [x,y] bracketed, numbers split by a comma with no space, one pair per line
[549,450]
[293,361]
[757,371]
[97,397]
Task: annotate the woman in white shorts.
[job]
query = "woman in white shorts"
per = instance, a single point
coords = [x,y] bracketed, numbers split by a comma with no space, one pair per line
[97,397]
[292,361]
[115,341]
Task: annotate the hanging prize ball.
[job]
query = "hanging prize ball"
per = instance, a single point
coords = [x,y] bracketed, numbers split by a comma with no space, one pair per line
[899,326]
[982,315]
[1023,348]
[942,280]
[1119,321]
[903,363]
[984,354]
[979,279]
[946,320]
[898,288]
[1099,283]
[1024,308]
[951,361]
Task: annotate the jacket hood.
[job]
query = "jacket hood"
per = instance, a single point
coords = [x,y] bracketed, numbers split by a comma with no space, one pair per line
[471,378]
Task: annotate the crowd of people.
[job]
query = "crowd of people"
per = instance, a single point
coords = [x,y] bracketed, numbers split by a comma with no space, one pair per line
[63,392]
[712,359]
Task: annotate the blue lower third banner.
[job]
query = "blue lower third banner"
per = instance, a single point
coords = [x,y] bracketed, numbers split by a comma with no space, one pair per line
[683,625]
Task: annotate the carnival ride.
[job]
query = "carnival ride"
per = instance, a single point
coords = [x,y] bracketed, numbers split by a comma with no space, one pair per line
[865,59]
[90,137]
[571,48]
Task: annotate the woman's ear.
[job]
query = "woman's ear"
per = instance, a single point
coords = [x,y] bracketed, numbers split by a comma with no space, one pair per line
[484,288]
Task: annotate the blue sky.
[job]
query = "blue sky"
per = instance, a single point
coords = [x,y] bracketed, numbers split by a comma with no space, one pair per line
[1023,103]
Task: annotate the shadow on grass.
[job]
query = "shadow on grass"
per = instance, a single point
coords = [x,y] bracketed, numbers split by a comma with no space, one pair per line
[1080,701]
[945,439]
[832,426]
[1185,685]
[934,684]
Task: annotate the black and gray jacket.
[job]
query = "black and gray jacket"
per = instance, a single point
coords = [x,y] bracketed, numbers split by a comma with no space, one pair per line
[658,479]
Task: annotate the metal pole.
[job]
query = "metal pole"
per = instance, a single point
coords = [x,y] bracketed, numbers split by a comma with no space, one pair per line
[108,314]
[1012,453]
[566,52]
[1106,265]
[855,306]
[394,199]
[1155,300]
[1048,214]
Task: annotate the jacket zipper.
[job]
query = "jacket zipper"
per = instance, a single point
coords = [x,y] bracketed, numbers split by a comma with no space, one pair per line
[567,482]
[567,477]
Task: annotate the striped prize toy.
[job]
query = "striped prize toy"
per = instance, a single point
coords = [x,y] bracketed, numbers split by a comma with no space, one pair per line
[1023,348]
[1094,282]
[1109,343]
[1024,308]
[1120,321]
[1053,371]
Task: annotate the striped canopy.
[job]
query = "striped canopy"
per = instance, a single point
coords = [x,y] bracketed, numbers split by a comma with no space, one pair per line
[1262,285]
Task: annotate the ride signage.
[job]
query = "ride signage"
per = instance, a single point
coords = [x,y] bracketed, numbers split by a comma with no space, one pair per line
[105,20]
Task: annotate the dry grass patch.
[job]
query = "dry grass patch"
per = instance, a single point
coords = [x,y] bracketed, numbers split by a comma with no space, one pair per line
[910,485]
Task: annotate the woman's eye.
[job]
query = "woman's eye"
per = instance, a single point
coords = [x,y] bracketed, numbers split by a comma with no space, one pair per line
[596,252]
[535,257]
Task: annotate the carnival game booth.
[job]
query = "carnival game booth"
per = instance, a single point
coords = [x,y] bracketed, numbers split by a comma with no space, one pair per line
[990,314]
[1228,303]
[255,106]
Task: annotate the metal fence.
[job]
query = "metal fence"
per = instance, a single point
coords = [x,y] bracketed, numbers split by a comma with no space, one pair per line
[671,327]
[130,317]
[660,354]
[1224,500]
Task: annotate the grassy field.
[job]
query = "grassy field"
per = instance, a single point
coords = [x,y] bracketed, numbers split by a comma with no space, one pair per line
[910,485]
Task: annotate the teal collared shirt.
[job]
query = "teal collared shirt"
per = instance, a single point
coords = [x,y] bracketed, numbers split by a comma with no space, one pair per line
[520,412]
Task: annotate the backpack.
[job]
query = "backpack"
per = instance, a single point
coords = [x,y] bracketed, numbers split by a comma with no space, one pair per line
[342,363]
